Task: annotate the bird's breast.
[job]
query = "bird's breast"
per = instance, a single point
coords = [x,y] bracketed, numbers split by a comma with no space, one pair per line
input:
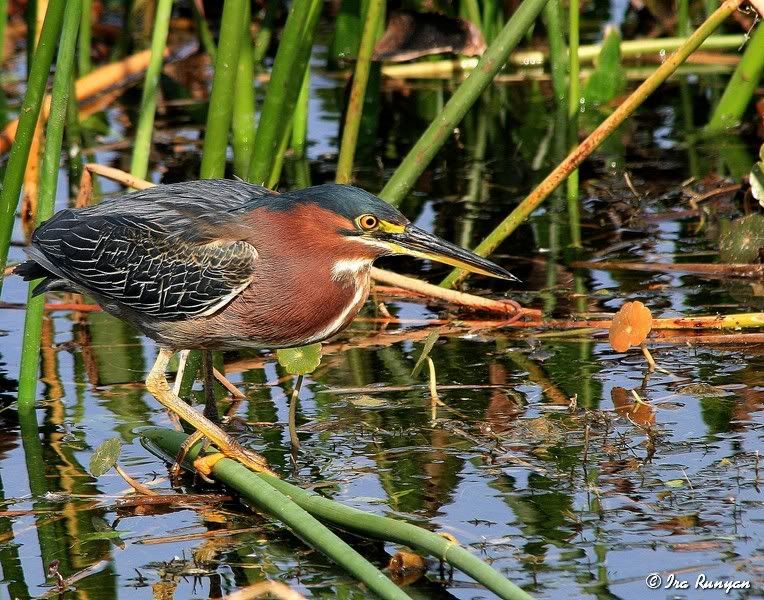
[293,309]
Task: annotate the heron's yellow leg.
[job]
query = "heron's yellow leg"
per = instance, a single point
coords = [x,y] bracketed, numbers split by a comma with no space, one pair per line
[156,384]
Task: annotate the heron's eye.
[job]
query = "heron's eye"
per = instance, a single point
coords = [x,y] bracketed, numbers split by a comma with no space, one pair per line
[368,222]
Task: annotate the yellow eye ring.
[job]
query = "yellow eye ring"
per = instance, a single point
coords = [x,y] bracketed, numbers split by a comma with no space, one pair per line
[368,222]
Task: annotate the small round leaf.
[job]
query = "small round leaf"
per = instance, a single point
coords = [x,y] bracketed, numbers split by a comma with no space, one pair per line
[105,457]
[299,361]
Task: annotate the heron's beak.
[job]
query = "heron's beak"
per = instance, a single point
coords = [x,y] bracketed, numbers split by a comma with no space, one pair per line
[417,242]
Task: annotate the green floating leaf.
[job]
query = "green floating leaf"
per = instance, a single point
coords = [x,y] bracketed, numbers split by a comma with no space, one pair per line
[429,342]
[676,483]
[367,401]
[300,361]
[743,240]
[608,79]
[105,457]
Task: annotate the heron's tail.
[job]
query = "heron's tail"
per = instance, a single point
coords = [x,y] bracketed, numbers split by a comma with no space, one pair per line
[30,270]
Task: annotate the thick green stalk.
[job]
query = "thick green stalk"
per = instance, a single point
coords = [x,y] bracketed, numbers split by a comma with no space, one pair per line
[262,493]
[441,128]
[741,87]
[238,477]
[139,165]
[574,97]
[358,92]
[54,135]
[284,87]
[29,112]
[607,127]
[244,103]
[85,43]
[223,86]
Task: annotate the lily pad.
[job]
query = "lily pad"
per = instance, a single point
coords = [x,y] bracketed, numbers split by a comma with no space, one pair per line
[299,361]
[105,457]
[743,240]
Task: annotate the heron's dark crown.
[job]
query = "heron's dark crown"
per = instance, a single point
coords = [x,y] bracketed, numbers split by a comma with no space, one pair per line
[345,200]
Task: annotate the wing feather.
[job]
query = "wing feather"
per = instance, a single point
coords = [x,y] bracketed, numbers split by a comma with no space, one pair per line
[158,254]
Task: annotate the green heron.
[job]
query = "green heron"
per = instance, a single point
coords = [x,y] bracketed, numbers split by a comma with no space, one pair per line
[223,264]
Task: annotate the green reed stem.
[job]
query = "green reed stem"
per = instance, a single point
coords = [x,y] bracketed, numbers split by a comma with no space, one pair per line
[73,134]
[219,117]
[358,92]
[244,103]
[591,143]
[139,164]
[472,12]
[264,34]
[300,135]
[30,18]
[239,478]
[205,35]
[741,87]
[3,26]
[683,18]
[557,51]
[278,161]
[223,87]
[51,160]
[467,93]
[263,493]
[28,114]
[300,120]
[284,87]
[574,97]
[85,42]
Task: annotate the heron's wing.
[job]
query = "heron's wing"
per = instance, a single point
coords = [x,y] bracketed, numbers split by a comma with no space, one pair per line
[167,273]
[196,210]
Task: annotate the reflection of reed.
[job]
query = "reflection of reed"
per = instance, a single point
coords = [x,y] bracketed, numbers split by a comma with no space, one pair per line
[49,363]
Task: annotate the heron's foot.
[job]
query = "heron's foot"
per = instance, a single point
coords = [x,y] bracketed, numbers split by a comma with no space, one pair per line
[157,385]
[251,460]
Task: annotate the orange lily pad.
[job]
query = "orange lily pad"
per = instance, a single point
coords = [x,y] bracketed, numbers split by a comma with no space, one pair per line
[630,326]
